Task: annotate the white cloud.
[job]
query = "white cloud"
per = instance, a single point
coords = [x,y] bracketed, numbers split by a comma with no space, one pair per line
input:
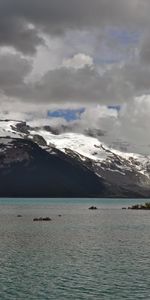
[135,120]
[131,125]
[78,61]
[89,52]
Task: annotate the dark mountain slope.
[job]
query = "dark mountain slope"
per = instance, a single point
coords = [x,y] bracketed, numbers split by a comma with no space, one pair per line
[26,170]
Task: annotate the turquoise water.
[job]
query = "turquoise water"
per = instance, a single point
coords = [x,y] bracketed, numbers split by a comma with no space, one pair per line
[71,201]
[83,254]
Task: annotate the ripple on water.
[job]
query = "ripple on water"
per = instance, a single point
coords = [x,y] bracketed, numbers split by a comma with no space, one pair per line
[90,255]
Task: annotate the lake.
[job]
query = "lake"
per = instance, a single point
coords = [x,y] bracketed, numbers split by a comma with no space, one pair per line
[84,254]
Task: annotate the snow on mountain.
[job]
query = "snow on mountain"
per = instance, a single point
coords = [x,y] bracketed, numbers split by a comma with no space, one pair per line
[86,146]
[6,128]
[103,158]
[93,149]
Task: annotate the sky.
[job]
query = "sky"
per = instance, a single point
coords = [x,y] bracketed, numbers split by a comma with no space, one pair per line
[73,54]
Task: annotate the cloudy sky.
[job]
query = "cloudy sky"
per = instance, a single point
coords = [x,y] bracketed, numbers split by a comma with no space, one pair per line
[77,53]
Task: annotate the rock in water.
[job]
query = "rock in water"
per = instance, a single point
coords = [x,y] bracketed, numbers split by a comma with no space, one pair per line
[93,207]
[42,219]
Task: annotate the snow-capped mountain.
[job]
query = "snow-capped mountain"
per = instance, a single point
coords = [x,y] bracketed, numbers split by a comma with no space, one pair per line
[123,174]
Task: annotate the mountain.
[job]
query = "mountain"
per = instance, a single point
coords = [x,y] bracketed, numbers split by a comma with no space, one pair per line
[40,162]
[27,170]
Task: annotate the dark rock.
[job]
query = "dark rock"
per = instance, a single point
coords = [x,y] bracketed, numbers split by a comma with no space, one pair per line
[47,219]
[22,127]
[42,219]
[51,129]
[39,140]
[36,219]
[93,207]
[145,206]
[19,216]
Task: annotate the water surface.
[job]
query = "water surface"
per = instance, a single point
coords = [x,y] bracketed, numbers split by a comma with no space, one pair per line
[83,254]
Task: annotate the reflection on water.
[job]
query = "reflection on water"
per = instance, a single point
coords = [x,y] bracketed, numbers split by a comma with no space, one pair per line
[101,254]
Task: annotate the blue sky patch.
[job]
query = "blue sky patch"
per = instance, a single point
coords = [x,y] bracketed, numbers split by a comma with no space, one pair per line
[73,114]
[68,114]
[124,36]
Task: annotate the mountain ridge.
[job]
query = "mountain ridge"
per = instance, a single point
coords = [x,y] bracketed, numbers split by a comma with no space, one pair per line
[114,173]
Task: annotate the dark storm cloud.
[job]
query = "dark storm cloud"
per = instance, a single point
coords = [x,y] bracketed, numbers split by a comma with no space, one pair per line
[117,85]
[82,85]
[85,85]
[22,23]
[138,77]
[56,17]
[13,70]
[16,33]
[145,50]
